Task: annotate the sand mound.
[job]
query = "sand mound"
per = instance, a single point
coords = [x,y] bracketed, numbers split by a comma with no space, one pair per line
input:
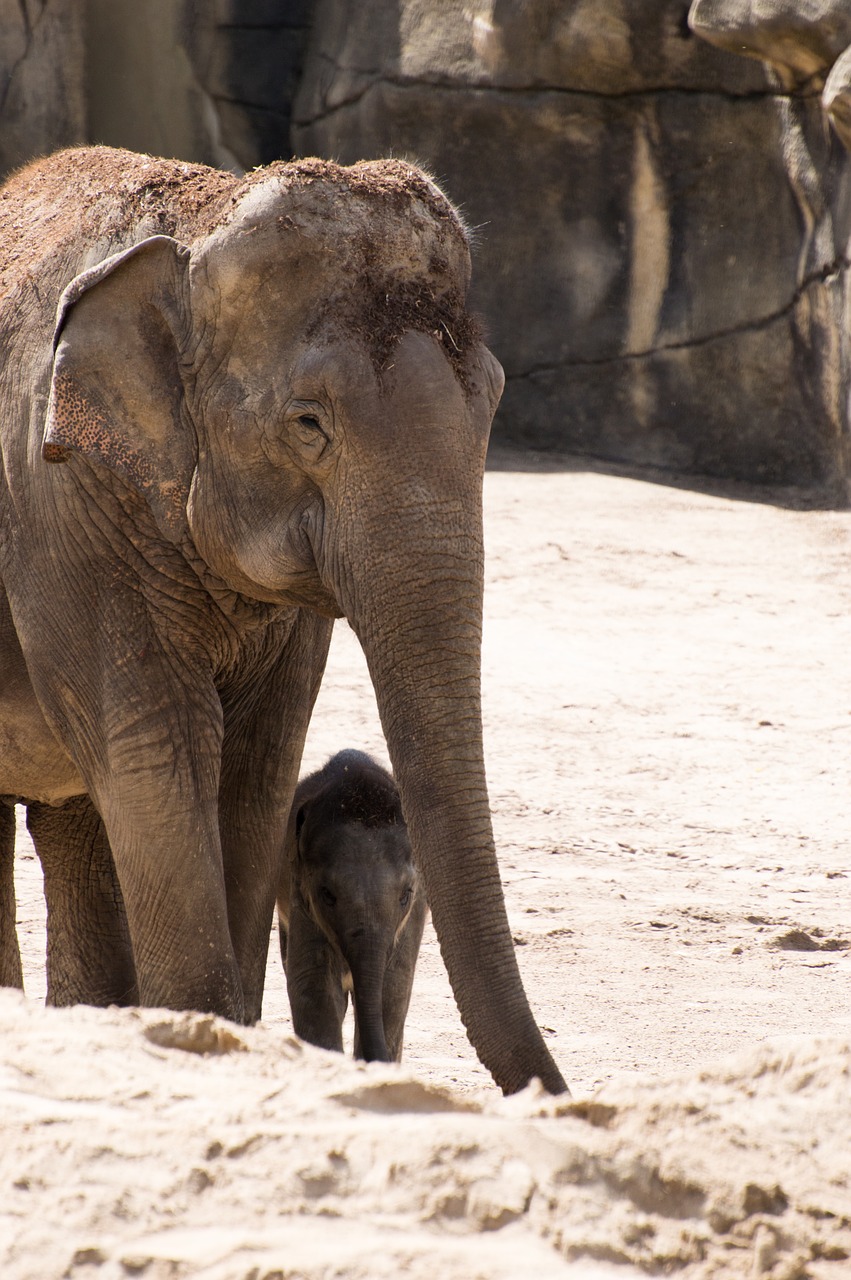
[144,1143]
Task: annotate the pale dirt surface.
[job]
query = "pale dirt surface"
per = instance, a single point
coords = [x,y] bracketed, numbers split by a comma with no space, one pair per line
[667,705]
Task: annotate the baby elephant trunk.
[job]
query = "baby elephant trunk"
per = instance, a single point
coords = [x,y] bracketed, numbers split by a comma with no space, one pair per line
[368,961]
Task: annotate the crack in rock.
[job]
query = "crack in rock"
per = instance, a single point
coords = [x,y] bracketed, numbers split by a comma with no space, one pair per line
[533,90]
[825,273]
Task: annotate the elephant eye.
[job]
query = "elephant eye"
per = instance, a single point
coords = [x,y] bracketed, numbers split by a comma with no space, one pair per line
[309,425]
[405,899]
[327,896]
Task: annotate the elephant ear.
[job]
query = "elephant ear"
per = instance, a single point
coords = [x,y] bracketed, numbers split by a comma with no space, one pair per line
[116,393]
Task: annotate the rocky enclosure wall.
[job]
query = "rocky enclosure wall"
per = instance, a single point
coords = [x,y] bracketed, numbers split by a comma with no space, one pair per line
[205,80]
[662,225]
[42,92]
[652,220]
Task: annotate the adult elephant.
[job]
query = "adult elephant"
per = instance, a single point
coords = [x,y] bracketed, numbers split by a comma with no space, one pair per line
[267,406]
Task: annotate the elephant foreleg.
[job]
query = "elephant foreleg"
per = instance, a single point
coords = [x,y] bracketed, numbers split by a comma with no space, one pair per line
[89,957]
[10,957]
[142,719]
[265,723]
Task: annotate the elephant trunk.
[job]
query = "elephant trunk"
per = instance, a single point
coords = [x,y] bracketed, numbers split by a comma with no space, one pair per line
[417,611]
[367,971]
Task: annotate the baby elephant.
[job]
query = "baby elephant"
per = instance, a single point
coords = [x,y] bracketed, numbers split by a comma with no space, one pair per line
[351,908]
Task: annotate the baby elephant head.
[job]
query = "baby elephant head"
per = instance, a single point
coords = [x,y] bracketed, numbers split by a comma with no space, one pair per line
[354,879]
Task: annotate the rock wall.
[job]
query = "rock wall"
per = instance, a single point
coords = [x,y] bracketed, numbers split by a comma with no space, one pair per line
[42,101]
[806,50]
[205,80]
[662,225]
[646,261]
[201,80]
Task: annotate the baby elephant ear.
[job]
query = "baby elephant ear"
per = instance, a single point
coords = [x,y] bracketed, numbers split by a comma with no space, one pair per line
[116,394]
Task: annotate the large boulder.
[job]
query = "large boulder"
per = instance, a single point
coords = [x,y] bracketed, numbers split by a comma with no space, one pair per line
[836,97]
[799,39]
[648,264]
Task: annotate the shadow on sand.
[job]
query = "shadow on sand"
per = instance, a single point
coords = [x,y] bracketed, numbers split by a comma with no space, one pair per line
[504,458]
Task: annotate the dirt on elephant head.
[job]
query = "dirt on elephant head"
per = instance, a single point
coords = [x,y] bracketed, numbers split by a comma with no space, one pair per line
[113,192]
[381,316]
[392,181]
[405,247]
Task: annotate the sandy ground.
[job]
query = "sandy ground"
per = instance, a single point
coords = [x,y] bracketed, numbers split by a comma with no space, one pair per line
[667,711]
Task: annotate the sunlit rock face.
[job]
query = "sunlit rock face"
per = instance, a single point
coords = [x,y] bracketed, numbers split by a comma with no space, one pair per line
[660,222]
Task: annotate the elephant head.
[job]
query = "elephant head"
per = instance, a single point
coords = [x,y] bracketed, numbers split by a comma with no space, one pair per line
[303,401]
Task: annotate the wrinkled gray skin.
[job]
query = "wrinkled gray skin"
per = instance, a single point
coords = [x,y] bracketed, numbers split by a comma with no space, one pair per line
[230,411]
[351,908]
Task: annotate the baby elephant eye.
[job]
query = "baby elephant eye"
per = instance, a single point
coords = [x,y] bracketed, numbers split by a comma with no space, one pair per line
[327,896]
[309,421]
[405,899]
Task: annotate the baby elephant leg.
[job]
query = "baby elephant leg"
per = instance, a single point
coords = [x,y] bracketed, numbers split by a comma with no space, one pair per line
[89,956]
[10,956]
[314,982]
[399,978]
